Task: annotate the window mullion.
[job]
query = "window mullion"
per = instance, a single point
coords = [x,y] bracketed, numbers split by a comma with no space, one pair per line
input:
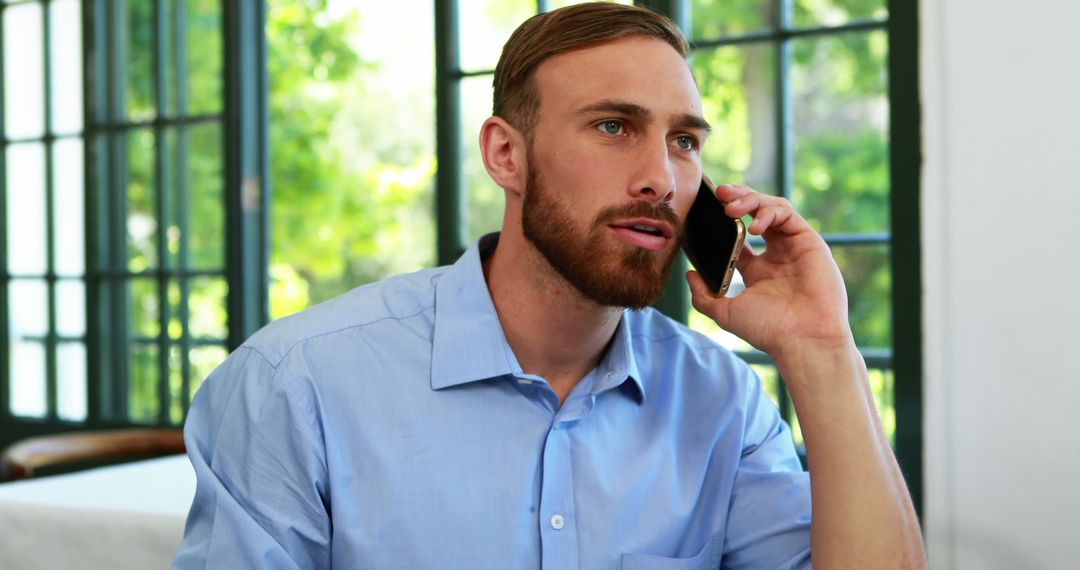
[785,158]
[182,184]
[245,168]
[785,166]
[904,207]
[450,208]
[5,341]
[50,230]
[163,212]
[115,194]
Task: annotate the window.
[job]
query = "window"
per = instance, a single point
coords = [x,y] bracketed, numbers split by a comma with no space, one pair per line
[134,149]
[805,103]
[120,281]
[42,288]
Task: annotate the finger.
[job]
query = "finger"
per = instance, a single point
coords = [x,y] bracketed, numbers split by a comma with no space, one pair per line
[704,301]
[751,202]
[773,216]
[731,192]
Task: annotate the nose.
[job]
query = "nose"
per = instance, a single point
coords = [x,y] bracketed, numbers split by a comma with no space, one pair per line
[655,175]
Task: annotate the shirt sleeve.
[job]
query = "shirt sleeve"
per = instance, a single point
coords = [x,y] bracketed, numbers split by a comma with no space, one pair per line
[769,516]
[261,496]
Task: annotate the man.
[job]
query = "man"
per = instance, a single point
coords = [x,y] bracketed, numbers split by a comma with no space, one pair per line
[510,412]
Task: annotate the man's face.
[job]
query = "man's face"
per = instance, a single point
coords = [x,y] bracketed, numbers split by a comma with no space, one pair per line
[613,167]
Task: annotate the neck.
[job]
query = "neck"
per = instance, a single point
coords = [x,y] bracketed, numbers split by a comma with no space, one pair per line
[554,331]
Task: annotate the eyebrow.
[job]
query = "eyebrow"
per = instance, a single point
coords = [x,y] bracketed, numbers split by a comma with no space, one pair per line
[682,121]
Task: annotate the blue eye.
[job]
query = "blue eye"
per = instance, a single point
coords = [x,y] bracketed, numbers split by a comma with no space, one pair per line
[611,127]
[686,142]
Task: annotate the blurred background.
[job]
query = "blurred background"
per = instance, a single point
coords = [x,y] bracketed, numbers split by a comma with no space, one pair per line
[176,173]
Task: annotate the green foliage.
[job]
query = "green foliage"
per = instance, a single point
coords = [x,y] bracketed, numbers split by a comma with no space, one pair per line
[831,12]
[351,178]
[715,18]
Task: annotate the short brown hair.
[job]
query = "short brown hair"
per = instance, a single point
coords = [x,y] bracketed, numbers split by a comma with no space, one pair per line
[573,27]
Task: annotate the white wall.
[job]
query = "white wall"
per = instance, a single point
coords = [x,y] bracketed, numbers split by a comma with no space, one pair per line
[1001,212]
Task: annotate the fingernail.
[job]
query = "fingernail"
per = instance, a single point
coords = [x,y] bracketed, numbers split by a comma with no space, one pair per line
[734,202]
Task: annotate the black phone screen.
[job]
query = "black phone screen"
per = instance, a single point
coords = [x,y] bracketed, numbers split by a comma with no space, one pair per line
[712,240]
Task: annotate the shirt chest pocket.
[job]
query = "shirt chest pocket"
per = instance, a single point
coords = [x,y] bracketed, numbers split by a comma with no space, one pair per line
[708,557]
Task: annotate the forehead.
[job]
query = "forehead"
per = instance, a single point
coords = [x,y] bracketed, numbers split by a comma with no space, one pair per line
[644,70]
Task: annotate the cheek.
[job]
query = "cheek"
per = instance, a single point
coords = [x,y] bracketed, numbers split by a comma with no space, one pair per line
[685,197]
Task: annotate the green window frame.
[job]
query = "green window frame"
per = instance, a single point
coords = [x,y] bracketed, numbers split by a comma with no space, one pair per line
[173,191]
[899,240]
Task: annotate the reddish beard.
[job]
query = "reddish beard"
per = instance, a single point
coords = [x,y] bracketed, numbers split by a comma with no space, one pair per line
[606,271]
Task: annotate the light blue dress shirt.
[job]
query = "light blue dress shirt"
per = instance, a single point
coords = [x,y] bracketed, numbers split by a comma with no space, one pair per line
[393,428]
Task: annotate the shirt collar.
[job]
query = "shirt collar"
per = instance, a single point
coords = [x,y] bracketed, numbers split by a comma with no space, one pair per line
[618,366]
[469,344]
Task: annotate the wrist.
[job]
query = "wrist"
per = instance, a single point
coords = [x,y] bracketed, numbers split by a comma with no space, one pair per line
[820,364]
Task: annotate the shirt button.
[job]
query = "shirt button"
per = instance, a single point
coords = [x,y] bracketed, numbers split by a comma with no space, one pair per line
[557,522]
[524,381]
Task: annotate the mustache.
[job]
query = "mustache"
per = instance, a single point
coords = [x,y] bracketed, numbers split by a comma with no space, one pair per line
[643,209]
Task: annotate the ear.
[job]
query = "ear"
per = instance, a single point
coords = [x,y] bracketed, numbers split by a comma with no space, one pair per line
[503,149]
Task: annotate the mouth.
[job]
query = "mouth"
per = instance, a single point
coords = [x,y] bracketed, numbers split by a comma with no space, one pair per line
[645,233]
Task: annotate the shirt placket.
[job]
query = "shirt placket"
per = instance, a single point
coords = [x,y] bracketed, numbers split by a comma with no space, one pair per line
[558,521]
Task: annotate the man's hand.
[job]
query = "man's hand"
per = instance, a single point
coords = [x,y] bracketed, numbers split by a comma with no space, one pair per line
[795,309]
[794,293]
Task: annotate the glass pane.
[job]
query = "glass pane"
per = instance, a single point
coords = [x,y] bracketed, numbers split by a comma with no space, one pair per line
[170,40]
[206,201]
[836,12]
[796,429]
[841,132]
[486,201]
[553,4]
[173,179]
[70,308]
[69,246]
[352,173]
[176,385]
[71,380]
[882,384]
[485,25]
[869,283]
[24,71]
[29,308]
[204,360]
[26,209]
[709,328]
[739,101]
[770,381]
[143,400]
[205,56]
[27,391]
[145,308]
[140,59]
[66,71]
[207,306]
[142,196]
[714,19]
[176,324]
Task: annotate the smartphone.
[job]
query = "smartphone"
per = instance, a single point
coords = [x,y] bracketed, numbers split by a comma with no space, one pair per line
[712,241]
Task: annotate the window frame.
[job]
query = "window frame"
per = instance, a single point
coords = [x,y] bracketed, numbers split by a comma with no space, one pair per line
[242,124]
